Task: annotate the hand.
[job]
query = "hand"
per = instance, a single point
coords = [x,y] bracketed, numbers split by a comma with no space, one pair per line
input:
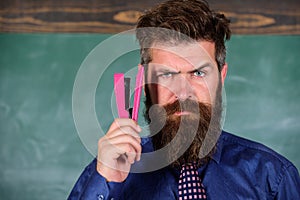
[119,149]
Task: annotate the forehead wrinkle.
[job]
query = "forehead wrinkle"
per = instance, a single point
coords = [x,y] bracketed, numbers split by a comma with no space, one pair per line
[203,48]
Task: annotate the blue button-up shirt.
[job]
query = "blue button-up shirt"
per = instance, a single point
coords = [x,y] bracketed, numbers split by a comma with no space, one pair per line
[240,169]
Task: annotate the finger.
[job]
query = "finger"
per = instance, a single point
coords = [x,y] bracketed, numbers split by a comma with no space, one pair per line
[127,130]
[125,152]
[119,122]
[126,139]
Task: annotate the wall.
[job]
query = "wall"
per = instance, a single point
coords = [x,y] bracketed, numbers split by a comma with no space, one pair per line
[41,153]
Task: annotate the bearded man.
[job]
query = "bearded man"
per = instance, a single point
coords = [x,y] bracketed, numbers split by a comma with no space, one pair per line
[187,155]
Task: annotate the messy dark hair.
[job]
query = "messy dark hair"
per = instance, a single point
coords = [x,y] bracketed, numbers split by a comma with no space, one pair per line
[192,18]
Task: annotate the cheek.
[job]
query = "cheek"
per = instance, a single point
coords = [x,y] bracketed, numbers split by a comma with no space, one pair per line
[165,95]
[205,91]
[160,94]
[202,93]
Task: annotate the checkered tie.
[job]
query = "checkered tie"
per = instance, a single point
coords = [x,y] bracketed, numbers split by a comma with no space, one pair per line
[190,186]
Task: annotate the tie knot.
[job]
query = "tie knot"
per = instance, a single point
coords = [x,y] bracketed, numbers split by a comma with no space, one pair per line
[190,185]
[190,165]
[189,169]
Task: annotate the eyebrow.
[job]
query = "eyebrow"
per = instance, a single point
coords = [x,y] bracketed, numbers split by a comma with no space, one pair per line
[205,65]
[164,69]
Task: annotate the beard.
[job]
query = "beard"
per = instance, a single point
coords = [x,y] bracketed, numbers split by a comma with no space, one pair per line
[189,138]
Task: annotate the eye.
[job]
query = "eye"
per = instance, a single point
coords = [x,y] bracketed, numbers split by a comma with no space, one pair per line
[166,75]
[198,74]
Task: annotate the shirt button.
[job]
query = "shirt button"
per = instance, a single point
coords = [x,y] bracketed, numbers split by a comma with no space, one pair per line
[112,199]
[100,197]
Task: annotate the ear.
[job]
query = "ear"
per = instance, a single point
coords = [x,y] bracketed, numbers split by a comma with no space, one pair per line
[224,73]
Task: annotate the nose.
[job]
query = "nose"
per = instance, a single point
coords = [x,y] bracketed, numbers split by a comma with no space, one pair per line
[183,89]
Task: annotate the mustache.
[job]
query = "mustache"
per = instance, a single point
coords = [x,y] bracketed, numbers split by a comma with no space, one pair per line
[188,105]
[159,115]
[180,106]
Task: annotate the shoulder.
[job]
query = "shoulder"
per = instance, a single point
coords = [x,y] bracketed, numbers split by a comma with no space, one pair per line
[253,160]
[245,148]
[248,161]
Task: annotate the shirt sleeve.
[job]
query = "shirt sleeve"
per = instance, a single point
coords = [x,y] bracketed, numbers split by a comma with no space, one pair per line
[91,185]
[289,186]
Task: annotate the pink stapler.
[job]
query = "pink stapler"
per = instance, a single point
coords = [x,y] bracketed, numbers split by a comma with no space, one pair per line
[122,93]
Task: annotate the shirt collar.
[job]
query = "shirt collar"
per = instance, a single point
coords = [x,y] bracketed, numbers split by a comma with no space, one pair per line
[219,147]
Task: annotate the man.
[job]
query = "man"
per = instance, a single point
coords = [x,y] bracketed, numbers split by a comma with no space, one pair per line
[183,52]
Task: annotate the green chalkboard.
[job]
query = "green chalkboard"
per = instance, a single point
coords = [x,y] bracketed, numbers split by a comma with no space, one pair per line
[40,150]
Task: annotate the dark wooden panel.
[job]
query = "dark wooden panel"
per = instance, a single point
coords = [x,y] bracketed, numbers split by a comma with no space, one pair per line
[111,16]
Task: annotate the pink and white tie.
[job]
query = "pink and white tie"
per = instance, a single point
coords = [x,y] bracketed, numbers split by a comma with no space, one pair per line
[190,186]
